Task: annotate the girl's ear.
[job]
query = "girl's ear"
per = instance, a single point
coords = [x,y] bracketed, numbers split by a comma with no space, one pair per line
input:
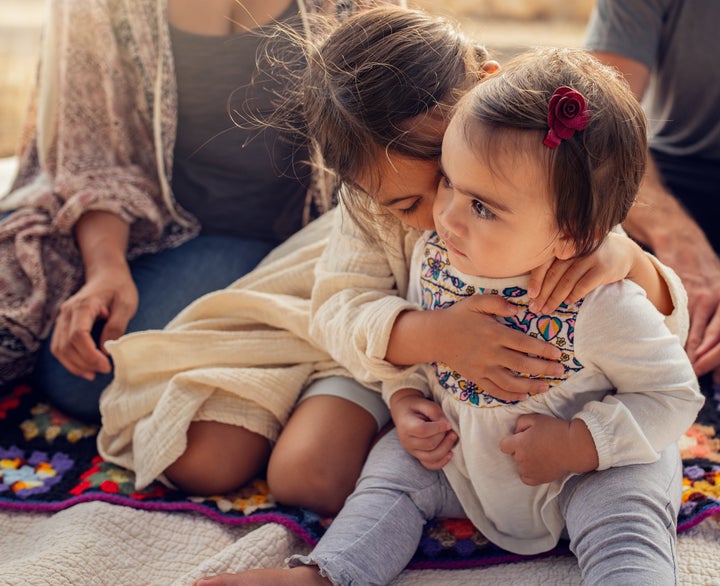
[565,247]
[490,66]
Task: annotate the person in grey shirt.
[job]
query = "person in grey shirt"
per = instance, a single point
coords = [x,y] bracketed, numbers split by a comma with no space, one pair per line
[667,50]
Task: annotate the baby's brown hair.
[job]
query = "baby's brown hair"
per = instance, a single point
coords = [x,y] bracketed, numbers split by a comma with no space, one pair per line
[595,173]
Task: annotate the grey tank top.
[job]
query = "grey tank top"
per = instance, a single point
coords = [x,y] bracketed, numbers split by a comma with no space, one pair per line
[235,181]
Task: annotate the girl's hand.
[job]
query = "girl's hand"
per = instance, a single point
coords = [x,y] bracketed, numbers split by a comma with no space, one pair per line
[469,339]
[618,257]
[546,448]
[109,295]
[423,430]
[569,280]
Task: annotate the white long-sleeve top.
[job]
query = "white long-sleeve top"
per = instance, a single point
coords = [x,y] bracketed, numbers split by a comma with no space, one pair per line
[626,376]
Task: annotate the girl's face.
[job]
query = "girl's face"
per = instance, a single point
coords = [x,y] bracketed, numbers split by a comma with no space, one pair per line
[407,188]
[497,221]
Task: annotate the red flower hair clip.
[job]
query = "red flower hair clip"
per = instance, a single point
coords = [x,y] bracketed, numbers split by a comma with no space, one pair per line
[567,113]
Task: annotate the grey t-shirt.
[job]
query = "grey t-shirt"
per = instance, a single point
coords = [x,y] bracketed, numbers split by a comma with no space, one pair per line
[234,180]
[679,41]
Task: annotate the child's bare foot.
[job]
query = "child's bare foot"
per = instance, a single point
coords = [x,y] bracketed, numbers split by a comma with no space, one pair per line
[299,576]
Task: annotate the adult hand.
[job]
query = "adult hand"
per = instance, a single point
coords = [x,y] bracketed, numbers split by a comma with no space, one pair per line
[545,448]
[470,340]
[422,428]
[110,295]
[699,270]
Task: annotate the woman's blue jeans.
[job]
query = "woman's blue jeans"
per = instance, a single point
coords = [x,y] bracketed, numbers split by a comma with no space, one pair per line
[167,282]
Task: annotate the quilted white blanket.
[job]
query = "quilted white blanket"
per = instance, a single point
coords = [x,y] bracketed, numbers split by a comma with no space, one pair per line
[98,543]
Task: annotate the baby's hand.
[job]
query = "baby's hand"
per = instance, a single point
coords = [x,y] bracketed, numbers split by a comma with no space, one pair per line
[423,429]
[546,448]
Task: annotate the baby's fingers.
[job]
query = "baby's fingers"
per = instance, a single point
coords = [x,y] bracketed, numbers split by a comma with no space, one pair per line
[437,458]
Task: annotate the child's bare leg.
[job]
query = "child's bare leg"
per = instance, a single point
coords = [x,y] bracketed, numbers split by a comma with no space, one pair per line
[218,458]
[320,453]
[300,576]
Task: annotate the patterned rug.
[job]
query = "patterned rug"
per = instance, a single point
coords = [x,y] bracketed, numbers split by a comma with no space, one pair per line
[49,462]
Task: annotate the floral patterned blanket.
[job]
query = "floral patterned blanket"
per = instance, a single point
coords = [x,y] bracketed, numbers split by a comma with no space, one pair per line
[49,463]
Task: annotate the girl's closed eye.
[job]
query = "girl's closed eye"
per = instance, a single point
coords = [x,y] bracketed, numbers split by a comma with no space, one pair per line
[481,211]
[411,209]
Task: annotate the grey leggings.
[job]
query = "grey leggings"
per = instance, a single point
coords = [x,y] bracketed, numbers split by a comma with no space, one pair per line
[621,522]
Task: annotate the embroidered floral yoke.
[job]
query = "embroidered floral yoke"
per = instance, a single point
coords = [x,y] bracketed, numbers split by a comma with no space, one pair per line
[100,136]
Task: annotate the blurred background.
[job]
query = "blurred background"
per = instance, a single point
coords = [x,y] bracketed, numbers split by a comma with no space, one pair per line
[505,26]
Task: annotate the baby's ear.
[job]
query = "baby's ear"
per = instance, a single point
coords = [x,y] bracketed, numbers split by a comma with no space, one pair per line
[565,247]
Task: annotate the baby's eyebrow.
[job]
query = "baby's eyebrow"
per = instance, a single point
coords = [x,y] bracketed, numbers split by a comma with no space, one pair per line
[484,199]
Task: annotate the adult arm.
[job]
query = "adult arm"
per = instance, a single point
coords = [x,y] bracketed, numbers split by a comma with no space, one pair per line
[659,221]
[94,147]
[109,294]
[94,138]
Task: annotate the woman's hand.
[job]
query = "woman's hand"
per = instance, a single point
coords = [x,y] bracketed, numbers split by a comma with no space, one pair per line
[108,295]
[422,428]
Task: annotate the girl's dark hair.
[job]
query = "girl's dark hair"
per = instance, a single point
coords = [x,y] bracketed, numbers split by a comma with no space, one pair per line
[595,174]
[376,73]
[366,81]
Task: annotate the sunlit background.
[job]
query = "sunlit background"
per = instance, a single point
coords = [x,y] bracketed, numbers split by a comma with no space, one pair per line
[505,26]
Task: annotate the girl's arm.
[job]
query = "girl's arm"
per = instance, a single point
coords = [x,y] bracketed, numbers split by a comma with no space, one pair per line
[360,315]
[619,257]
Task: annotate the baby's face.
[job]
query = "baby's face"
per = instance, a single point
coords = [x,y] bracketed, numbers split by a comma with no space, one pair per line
[495,216]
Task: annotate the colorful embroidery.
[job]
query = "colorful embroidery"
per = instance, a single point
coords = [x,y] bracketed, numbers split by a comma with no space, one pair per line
[441,289]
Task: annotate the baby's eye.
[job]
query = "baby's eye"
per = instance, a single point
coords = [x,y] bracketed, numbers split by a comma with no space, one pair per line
[445,182]
[481,211]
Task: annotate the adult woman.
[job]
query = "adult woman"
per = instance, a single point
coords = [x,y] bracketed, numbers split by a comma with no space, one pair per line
[136,193]
[161,417]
